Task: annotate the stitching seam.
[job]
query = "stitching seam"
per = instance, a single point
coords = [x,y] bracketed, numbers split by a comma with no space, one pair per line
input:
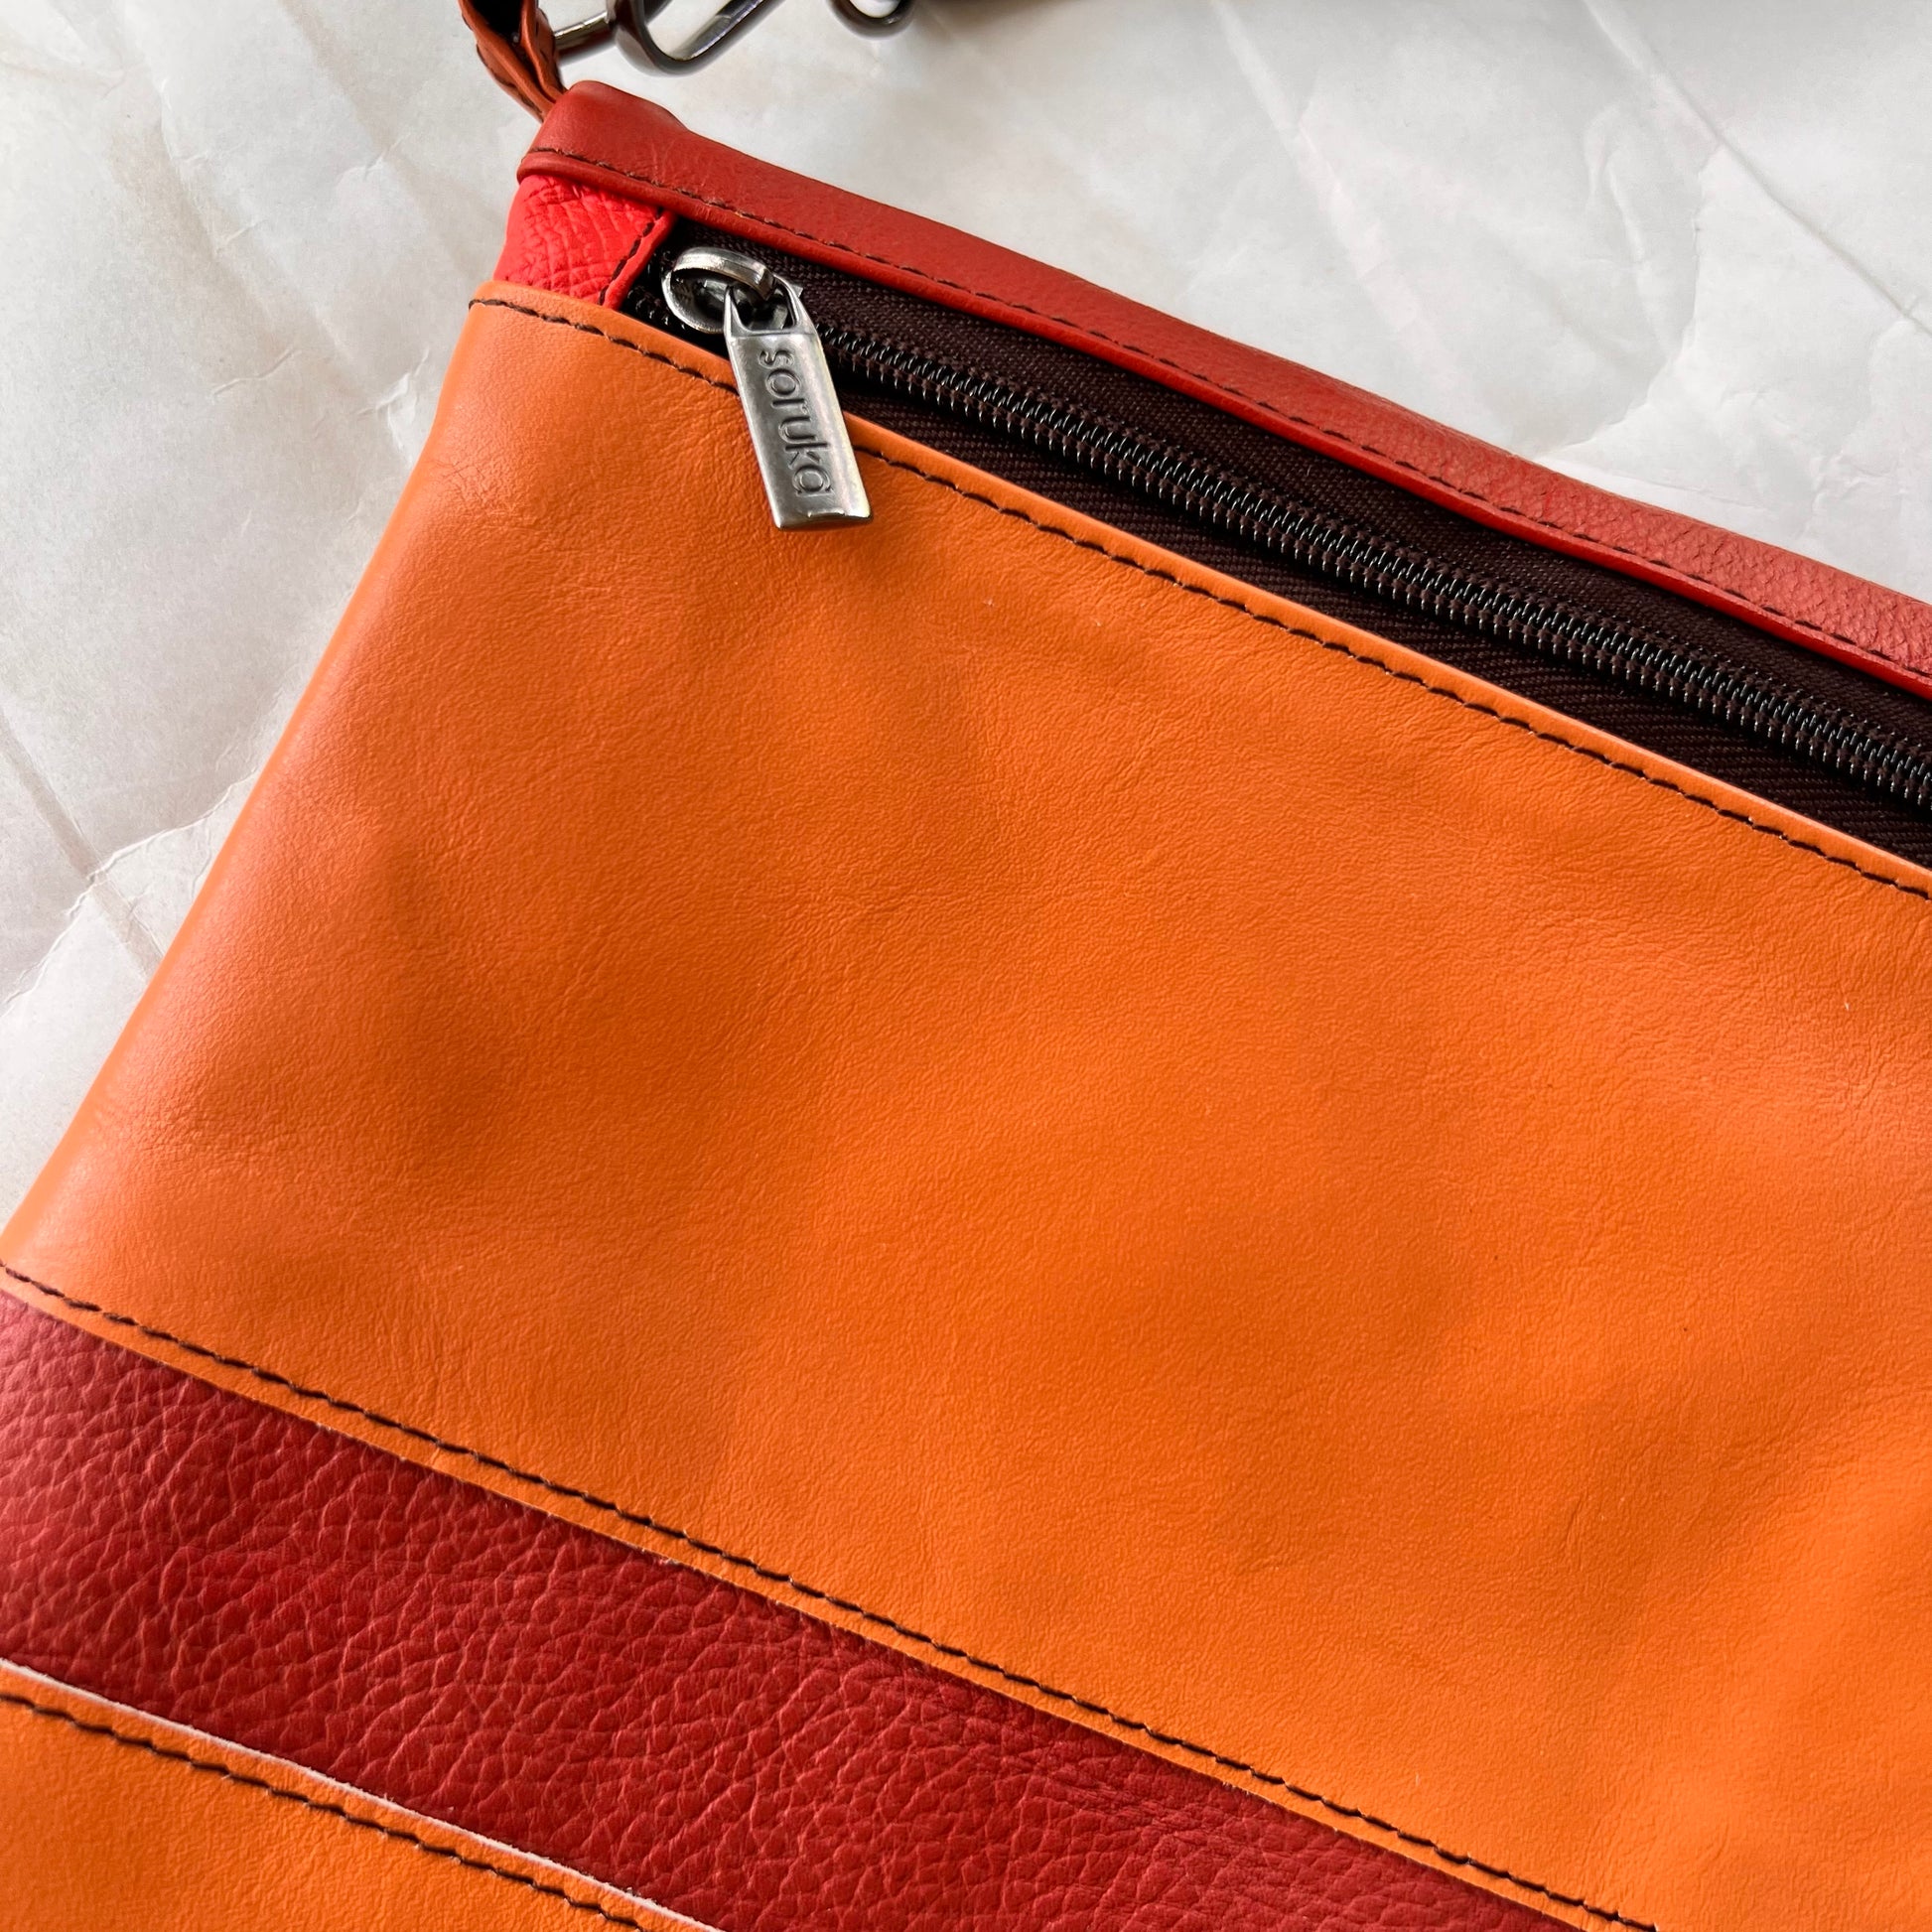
[953,1652]
[617,286]
[1324,430]
[1134,1726]
[348,1817]
[1360,656]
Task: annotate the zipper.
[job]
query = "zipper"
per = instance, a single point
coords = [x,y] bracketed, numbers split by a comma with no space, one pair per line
[784,385]
[1667,655]
[1749,701]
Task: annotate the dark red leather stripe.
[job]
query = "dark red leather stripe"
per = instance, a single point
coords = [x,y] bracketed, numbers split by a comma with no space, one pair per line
[220,1563]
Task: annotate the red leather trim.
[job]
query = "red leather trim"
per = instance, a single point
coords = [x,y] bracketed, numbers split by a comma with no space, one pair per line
[226,1565]
[602,137]
[575,240]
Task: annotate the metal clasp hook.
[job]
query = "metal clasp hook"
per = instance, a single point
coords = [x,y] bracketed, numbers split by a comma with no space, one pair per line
[630,23]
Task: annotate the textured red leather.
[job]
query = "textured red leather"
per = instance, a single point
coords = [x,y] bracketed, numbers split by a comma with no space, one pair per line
[606,138]
[112,1818]
[227,1565]
[580,241]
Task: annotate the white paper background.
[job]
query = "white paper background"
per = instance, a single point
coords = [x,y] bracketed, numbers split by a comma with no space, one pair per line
[1680,247]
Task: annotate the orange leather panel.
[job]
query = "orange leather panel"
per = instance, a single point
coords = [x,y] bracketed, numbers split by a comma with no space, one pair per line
[110,1819]
[1172,1149]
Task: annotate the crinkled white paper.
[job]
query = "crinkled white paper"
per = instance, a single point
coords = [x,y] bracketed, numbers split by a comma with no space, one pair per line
[1679,249]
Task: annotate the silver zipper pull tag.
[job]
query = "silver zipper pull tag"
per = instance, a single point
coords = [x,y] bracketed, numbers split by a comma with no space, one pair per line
[799,434]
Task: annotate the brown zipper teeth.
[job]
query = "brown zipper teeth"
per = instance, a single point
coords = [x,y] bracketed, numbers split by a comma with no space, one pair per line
[1752,703]
[1745,700]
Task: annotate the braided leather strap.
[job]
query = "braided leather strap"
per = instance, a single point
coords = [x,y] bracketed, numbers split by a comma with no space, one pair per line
[518,48]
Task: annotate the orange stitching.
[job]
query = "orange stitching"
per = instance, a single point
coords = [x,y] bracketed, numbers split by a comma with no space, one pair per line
[1281,415]
[348,1817]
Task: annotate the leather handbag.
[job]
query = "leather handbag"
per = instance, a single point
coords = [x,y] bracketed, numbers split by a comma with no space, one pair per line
[996,1118]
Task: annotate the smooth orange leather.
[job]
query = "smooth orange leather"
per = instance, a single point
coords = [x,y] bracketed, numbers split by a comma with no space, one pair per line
[110,1819]
[1373,1236]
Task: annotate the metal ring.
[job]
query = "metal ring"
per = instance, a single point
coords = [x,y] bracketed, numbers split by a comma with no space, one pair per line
[589,28]
[889,22]
[695,284]
[629,22]
[633,20]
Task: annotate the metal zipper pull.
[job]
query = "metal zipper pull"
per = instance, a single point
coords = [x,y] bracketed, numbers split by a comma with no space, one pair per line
[811,478]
